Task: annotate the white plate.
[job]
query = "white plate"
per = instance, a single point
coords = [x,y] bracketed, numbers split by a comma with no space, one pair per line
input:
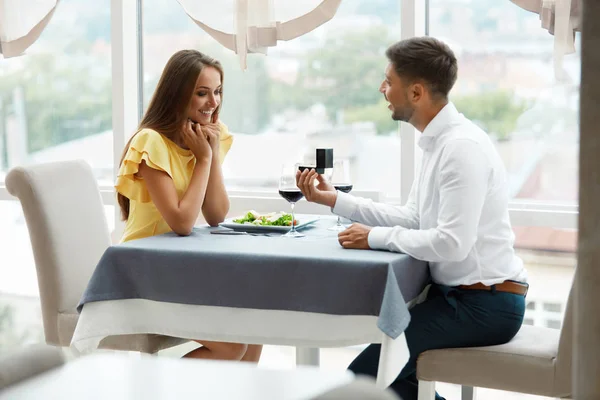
[303,222]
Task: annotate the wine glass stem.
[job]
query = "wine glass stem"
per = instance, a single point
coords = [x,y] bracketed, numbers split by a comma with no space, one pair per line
[293,218]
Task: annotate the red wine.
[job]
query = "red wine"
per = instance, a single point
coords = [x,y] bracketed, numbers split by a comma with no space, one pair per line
[291,195]
[343,188]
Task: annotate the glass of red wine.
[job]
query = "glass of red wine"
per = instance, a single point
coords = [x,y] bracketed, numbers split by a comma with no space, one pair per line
[289,191]
[340,179]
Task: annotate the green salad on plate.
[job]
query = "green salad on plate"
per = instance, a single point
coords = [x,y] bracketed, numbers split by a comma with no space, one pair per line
[269,219]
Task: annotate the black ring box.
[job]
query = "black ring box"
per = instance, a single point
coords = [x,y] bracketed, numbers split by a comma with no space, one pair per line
[324,159]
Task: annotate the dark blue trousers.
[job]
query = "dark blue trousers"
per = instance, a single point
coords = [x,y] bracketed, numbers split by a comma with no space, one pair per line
[449,318]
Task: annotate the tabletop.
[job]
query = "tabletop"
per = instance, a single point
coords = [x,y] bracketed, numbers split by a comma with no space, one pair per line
[311,274]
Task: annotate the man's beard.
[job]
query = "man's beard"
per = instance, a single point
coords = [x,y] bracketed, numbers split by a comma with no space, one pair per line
[403,114]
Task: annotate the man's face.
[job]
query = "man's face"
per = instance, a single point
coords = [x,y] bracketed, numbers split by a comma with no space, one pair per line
[396,93]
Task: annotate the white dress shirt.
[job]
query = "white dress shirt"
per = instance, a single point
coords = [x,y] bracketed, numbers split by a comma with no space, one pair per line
[456,216]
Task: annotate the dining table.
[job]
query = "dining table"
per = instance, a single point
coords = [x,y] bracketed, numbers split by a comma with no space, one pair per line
[251,287]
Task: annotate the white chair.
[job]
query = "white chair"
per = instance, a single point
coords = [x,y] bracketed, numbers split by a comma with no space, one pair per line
[28,362]
[68,232]
[537,361]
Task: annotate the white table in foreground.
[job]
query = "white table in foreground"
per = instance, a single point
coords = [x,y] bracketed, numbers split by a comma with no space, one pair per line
[120,377]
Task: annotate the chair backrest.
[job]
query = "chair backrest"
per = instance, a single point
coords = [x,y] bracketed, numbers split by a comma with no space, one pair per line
[68,232]
[28,362]
[564,358]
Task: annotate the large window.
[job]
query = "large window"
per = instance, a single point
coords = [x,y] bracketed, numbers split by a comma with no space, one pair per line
[320,90]
[55,101]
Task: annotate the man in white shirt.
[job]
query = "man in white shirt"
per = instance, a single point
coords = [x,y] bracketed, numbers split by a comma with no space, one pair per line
[456,217]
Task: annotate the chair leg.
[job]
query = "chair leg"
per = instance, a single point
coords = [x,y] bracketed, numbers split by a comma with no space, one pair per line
[426,390]
[307,356]
[467,393]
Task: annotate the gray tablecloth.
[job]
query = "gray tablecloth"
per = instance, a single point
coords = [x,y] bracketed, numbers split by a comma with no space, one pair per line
[310,274]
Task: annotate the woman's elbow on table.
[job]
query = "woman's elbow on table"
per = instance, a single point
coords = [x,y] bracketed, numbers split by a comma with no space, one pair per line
[182,231]
[182,228]
[216,214]
[214,222]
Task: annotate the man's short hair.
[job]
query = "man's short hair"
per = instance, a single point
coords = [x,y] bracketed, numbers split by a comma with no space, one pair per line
[426,59]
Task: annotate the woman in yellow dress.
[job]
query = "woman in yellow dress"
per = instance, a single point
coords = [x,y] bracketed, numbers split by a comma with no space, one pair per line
[171,168]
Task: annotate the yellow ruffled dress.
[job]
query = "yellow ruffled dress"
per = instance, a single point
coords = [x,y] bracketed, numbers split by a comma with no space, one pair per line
[164,155]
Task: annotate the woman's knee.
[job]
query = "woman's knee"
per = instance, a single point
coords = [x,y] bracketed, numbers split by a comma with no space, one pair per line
[224,350]
[230,351]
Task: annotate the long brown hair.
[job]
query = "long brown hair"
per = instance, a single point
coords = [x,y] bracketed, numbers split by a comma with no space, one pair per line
[167,111]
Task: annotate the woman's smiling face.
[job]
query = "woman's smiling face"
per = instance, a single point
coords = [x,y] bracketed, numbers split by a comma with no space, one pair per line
[206,97]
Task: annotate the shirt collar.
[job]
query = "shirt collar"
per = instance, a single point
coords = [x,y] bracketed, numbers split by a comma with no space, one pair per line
[444,117]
